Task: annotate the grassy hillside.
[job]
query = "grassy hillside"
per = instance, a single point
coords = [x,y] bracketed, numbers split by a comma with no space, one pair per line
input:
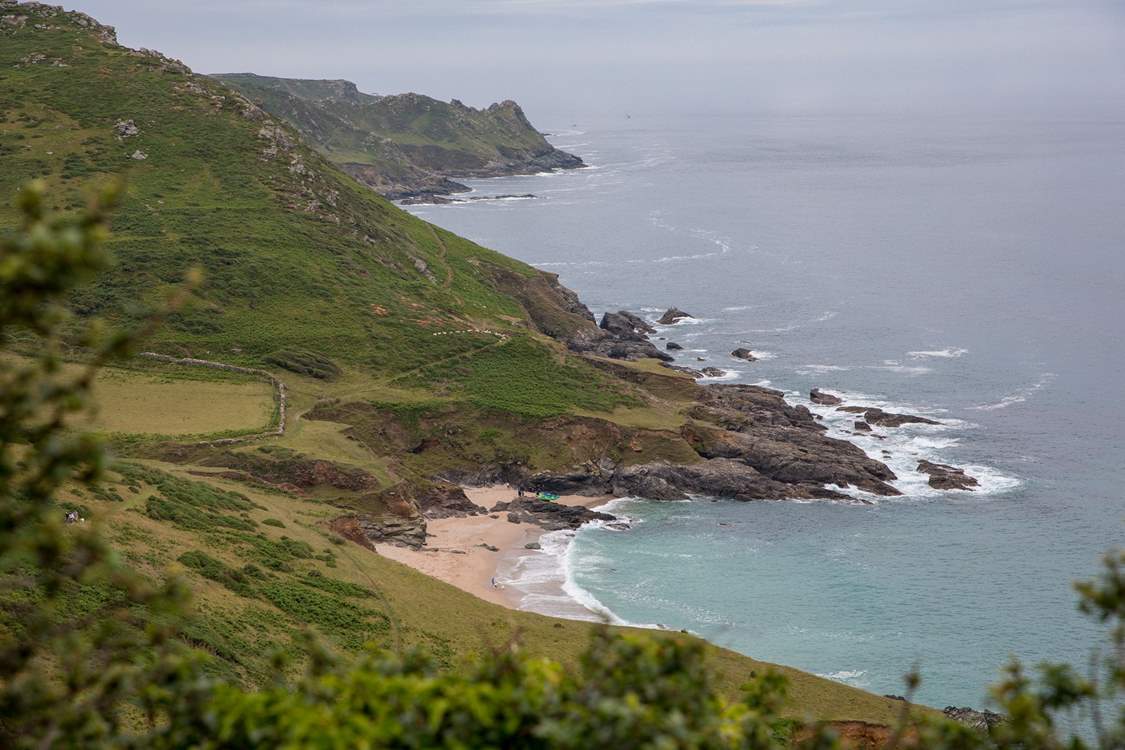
[408,352]
[403,144]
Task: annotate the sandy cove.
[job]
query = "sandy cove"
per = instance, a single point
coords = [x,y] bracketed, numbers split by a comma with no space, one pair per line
[454,551]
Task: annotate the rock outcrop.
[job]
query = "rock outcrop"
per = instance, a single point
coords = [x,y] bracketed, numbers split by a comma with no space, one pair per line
[943,477]
[672,315]
[981,720]
[402,531]
[445,500]
[672,346]
[818,396]
[550,516]
[620,335]
[750,445]
[126,129]
[625,325]
[881,418]
[743,353]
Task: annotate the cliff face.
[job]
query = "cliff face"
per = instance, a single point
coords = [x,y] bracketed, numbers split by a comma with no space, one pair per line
[404,145]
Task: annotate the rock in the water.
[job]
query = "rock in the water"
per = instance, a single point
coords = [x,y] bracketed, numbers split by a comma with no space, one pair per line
[126,129]
[672,346]
[943,477]
[818,396]
[982,720]
[625,325]
[882,418]
[671,315]
[624,337]
[713,372]
[743,353]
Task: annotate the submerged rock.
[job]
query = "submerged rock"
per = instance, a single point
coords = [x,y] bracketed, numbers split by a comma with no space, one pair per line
[671,315]
[943,477]
[818,396]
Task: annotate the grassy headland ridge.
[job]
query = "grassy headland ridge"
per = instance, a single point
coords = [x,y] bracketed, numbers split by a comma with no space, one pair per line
[414,359]
[404,145]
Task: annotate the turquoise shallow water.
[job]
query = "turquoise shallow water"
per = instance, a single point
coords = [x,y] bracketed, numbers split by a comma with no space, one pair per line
[970,270]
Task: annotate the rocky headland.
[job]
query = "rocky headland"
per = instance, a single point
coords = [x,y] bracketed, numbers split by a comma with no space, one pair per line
[407,147]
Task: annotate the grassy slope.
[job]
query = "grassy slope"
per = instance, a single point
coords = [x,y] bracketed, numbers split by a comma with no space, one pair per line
[299,256]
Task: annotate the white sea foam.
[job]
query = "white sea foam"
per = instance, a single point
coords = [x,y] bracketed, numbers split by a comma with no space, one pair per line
[853,677]
[902,448]
[892,366]
[1020,395]
[951,352]
[825,316]
[816,369]
[727,375]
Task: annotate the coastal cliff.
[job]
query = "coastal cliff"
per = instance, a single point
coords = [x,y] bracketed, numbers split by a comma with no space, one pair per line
[405,146]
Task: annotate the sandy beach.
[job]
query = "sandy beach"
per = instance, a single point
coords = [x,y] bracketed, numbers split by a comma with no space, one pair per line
[455,551]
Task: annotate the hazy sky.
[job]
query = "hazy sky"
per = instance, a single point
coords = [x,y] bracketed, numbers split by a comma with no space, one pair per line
[575,59]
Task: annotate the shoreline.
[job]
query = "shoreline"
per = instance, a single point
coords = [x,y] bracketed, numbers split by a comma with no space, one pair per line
[456,552]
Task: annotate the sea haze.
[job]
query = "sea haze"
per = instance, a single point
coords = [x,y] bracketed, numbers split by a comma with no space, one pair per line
[970,270]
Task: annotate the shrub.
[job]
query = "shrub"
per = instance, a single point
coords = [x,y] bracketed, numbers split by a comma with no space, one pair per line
[304,362]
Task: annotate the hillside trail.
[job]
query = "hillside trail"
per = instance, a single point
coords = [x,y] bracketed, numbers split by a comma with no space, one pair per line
[443,253]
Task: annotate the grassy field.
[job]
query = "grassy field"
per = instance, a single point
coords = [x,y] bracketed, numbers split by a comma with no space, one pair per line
[140,403]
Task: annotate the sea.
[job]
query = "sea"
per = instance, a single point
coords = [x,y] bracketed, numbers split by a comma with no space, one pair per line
[969,270]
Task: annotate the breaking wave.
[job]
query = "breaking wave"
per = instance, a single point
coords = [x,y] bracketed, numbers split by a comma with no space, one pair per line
[1020,395]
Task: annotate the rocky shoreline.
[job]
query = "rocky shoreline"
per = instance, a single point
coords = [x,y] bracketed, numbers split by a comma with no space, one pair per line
[437,186]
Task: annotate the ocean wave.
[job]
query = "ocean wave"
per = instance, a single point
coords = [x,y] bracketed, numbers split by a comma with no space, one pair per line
[818,369]
[900,368]
[825,316]
[1020,395]
[947,353]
